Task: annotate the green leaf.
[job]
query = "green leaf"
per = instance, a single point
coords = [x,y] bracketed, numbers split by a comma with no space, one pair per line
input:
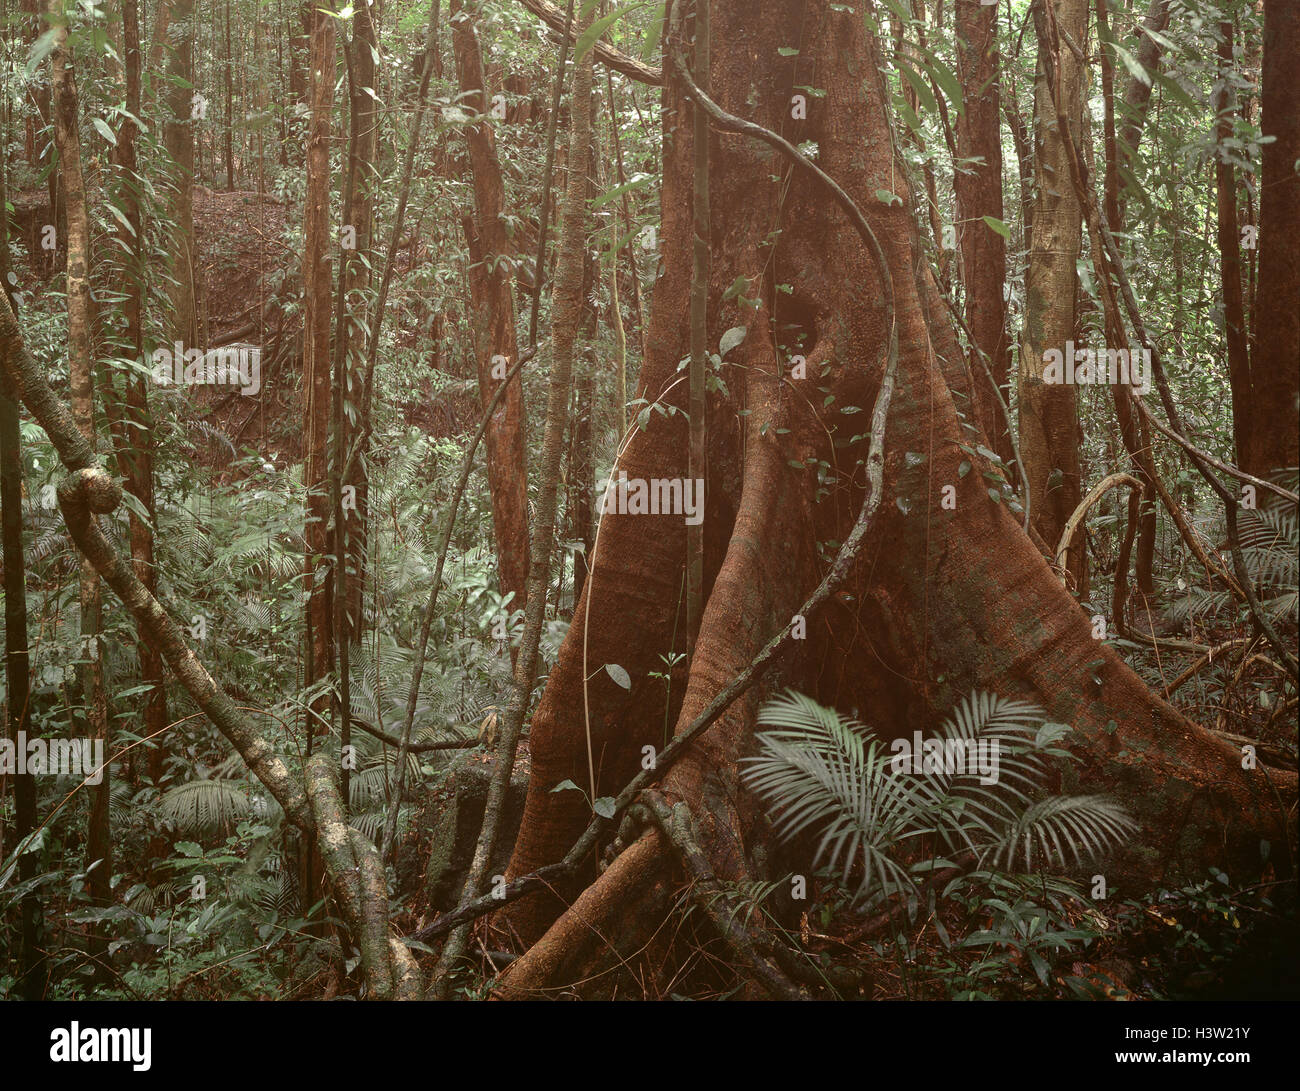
[732,338]
[635,182]
[963,469]
[566,786]
[1130,62]
[619,675]
[786,51]
[923,93]
[998,226]
[604,806]
[943,76]
[101,127]
[885,197]
[654,32]
[587,40]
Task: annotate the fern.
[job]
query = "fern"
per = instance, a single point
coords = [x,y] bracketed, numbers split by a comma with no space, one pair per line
[821,771]
[204,805]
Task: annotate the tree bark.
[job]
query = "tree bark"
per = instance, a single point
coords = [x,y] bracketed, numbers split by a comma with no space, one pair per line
[178,134]
[63,92]
[1275,366]
[491,277]
[978,194]
[316,278]
[1225,203]
[960,593]
[1049,417]
[32,964]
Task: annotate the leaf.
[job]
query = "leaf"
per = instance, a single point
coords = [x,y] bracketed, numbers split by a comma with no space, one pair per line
[604,806]
[998,226]
[995,495]
[653,33]
[619,675]
[565,786]
[964,468]
[944,77]
[732,338]
[635,182]
[587,40]
[786,51]
[885,197]
[923,93]
[1130,62]
[101,127]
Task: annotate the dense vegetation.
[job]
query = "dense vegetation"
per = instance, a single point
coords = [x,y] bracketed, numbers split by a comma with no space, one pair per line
[329,326]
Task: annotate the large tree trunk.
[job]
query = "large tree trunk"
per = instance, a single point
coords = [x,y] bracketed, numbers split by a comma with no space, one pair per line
[491,276]
[1275,367]
[960,595]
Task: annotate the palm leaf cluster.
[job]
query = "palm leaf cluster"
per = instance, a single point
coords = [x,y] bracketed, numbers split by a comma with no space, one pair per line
[822,772]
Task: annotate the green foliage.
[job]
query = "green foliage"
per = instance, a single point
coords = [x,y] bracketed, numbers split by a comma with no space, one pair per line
[820,772]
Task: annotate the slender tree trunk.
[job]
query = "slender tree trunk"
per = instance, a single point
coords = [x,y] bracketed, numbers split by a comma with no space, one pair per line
[1225,197]
[32,964]
[356,262]
[979,194]
[318,245]
[136,455]
[1049,417]
[178,133]
[63,91]
[228,64]
[1133,430]
[491,278]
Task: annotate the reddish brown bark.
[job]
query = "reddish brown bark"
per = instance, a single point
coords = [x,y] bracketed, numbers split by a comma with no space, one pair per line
[1275,366]
[1049,415]
[961,594]
[491,277]
[316,278]
[979,193]
[178,131]
[354,280]
[1234,318]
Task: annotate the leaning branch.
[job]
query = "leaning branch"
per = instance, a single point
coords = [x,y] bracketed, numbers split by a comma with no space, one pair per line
[88,492]
[554,18]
